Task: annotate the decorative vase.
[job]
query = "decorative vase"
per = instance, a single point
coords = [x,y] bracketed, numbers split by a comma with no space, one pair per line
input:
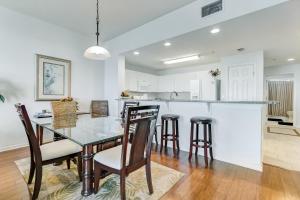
[218,89]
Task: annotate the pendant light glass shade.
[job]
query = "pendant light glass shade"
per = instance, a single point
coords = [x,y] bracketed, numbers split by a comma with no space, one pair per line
[96,53]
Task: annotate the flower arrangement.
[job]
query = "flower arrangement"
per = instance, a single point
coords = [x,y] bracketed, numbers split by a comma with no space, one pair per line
[2,98]
[215,73]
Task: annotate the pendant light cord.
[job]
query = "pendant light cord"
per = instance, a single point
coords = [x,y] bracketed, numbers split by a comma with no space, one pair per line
[97,21]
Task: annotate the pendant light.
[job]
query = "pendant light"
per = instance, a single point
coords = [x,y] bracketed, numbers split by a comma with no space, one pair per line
[97,52]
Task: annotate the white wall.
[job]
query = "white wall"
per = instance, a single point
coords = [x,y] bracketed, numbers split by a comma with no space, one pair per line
[295,71]
[21,37]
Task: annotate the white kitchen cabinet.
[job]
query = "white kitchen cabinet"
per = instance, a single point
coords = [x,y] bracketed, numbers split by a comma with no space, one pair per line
[182,82]
[139,81]
[165,83]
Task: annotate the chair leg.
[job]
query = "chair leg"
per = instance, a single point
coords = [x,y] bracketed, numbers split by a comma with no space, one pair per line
[197,139]
[122,186]
[79,167]
[166,134]
[97,176]
[69,163]
[162,135]
[31,172]
[174,137]
[191,141]
[99,147]
[37,182]
[177,137]
[149,177]
[205,145]
[155,135]
[210,142]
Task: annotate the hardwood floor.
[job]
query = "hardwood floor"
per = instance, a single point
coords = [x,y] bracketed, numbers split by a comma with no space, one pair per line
[220,181]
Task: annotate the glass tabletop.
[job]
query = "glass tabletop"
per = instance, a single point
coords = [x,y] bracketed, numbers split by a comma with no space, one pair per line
[84,129]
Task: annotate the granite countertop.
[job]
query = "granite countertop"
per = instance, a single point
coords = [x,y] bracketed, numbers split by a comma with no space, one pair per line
[200,101]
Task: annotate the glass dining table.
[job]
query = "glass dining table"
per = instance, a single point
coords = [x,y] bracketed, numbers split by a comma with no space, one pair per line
[86,130]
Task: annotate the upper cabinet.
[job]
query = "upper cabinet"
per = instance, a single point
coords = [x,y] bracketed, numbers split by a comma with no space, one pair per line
[165,83]
[138,81]
[143,82]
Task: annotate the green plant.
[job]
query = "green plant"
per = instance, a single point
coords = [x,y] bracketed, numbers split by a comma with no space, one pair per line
[2,98]
[215,73]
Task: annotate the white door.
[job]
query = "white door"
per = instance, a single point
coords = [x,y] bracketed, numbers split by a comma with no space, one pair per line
[241,83]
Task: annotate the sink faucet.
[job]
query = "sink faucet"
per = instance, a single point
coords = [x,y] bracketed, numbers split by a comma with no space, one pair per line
[171,95]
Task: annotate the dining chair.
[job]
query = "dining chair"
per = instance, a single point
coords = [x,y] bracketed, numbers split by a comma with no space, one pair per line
[129,157]
[61,108]
[45,154]
[99,108]
[126,105]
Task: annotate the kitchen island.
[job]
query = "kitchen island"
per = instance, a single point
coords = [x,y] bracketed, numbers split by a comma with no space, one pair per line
[237,128]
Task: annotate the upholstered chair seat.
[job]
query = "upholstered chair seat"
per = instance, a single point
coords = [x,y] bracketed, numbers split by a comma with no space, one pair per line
[59,149]
[112,157]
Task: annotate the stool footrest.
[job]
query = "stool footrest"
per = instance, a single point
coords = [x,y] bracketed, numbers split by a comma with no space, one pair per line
[202,146]
[200,140]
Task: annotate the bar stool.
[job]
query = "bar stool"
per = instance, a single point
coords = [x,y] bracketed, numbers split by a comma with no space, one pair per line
[207,139]
[165,136]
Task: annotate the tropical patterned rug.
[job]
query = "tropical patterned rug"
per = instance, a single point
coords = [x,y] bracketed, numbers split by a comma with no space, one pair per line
[60,183]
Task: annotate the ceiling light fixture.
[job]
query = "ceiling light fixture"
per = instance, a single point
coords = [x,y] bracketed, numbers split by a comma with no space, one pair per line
[291,59]
[97,52]
[180,60]
[215,31]
[167,44]
[136,53]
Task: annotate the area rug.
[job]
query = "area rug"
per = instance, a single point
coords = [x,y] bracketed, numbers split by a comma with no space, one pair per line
[60,183]
[282,150]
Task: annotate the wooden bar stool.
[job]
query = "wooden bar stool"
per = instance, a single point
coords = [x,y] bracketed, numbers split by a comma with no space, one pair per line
[207,139]
[165,136]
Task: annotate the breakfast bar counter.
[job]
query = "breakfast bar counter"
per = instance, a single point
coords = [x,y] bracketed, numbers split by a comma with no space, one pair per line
[237,127]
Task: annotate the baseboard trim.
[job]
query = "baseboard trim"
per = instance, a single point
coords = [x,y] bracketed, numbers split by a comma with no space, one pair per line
[12,147]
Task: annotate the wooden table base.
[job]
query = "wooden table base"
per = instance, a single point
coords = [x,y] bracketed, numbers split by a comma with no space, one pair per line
[87,175]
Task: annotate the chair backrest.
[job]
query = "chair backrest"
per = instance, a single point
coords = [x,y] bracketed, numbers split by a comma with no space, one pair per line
[35,151]
[61,108]
[99,108]
[144,118]
[126,105]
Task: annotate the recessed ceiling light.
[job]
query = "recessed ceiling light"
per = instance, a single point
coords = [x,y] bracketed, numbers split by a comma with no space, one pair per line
[167,44]
[136,53]
[214,30]
[291,59]
[180,60]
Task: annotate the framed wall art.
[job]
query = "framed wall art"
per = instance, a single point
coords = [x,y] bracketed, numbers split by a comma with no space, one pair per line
[53,78]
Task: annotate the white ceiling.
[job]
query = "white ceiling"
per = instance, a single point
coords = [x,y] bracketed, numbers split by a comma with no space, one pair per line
[117,16]
[275,30]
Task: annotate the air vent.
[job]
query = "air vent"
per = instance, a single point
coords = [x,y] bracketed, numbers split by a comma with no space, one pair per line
[212,8]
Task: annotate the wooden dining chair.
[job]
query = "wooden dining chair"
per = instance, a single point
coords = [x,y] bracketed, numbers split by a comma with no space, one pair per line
[59,109]
[126,105]
[99,108]
[127,158]
[47,153]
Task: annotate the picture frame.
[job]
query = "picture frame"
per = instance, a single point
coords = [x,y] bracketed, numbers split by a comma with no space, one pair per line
[53,78]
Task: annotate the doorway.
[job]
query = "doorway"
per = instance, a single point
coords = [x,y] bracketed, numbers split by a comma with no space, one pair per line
[281,138]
